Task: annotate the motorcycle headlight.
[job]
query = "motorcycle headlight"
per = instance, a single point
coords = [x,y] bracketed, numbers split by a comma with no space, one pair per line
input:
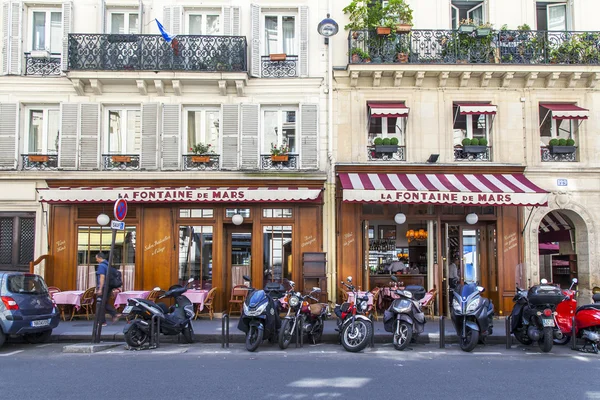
[363,306]
[246,309]
[403,306]
[294,301]
[456,306]
[473,304]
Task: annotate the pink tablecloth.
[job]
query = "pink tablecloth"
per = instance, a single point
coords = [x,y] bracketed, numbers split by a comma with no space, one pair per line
[197,297]
[360,294]
[122,297]
[68,297]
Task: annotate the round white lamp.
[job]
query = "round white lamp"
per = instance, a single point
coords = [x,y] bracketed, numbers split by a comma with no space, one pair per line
[472,218]
[103,219]
[237,219]
[400,218]
[328,27]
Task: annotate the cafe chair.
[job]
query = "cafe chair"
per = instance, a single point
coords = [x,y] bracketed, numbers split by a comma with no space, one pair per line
[375,293]
[88,298]
[52,290]
[344,295]
[238,295]
[428,302]
[208,304]
[154,295]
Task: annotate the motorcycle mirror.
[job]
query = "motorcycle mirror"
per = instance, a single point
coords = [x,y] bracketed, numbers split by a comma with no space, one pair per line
[480,289]
[292,284]
[575,280]
[393,277]
[596,290]
[156,288]
[544,281]
[349,279]
[190,280]
[316,289]
[246,278]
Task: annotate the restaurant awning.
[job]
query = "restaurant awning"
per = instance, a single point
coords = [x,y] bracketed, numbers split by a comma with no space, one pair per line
[476,108]
[554,227]
[452,189]
[178,194]
[380,110]
[566,111]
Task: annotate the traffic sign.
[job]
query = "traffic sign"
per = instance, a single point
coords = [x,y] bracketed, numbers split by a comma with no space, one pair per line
[120,209]
[118,225]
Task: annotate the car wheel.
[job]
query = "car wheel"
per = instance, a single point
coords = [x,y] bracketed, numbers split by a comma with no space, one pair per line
[39,337]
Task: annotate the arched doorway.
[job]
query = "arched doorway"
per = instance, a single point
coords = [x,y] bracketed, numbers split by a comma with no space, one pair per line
[557,248]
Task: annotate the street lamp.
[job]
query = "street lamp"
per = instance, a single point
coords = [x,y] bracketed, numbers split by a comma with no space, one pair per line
[237,219]
[328,27]
[103,219]
[472,218]
[400,218]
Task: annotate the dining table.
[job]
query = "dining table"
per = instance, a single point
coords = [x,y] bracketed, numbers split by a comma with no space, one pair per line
[361,294]
[122,297]
[67,298]
[197,296]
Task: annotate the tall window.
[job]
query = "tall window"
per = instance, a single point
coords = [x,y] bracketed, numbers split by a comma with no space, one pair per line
[551,16]
[124,131]
[277,254]
[467,9]
[387,127]
[205,22]
[42,133]
[555,128]
[195,255]
[280,34]
[203,126]
[279,129]
[17,240]
[121,22]
[46,30]
[470,126]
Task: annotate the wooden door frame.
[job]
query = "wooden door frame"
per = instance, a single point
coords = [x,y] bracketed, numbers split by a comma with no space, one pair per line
[228,229]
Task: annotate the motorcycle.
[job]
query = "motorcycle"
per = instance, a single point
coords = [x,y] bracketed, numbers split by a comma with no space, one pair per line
[587,320]
[308,318]
[472,315]
[260,316]
[354,327]
[174,320]
[533,315]
[404,317]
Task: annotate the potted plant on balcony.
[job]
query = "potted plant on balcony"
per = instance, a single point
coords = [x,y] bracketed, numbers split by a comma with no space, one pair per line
[359,55]
[387,145]
[358,14]
[279,154]
[474,146]
[467,25]
[120,159]
[201,152]
[38,158]
[402,50]
[400,14]
[562,146]
[483,30]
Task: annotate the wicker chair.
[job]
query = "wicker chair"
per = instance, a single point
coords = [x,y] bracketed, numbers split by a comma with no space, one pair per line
[375,293]
[428,302]
[88,299]
[208,304]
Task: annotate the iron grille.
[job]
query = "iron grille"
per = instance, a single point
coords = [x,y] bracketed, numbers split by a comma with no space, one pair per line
[6,240]
[26,240]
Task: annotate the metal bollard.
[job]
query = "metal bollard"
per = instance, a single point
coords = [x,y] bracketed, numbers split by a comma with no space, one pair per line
[442,332]
[507,331]
[297,333]
[154,332]
[225,330]
[573,334]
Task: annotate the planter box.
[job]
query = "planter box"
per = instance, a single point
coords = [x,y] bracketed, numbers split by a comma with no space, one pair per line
[38,158]
[279,158]
[121,159]
[382,148]
[201,159]
[562,149]
[483,32]
[383,30]
[466,28]
[474,149]
[278,57]
[403,28]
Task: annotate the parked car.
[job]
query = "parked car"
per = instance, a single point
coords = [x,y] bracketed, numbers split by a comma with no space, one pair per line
[26,308]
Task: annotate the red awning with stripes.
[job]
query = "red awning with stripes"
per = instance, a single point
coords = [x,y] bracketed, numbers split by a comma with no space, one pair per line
[476,108]
[566,111]
[380,110]
[453,189]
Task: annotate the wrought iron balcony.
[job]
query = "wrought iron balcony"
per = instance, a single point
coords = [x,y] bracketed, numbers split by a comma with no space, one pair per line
[201,162]
[196,53]
[452,47]
[39,161]
[374,155]
[120,162]
[462,154]
[287,68]
[548,155]
[291,163]
[43,66]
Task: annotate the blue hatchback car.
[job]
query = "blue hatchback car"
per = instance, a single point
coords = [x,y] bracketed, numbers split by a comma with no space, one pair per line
[26,308]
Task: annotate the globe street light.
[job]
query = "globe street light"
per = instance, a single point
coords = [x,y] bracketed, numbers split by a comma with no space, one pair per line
[103,219]
[327,28]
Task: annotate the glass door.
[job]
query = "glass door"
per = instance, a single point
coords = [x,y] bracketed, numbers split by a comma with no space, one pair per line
[471,252]
[239,256]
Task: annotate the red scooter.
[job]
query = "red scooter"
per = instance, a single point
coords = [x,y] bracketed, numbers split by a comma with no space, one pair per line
[587,320]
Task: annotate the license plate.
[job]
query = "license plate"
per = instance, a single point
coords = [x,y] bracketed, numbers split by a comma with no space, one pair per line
[548,322]
[41,322]
[127,309]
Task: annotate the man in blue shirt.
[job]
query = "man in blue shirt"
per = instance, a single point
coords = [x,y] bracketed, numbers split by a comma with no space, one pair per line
[101,274]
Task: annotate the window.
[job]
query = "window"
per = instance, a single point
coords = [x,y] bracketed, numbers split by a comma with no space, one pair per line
[203,127]
[554,128]
[124,131]
[280,34]
[42,131]
[277,213]
[279,129]
[277,255]
[46,30]
[123,22]
[467,9]
[17,240]
[470,124]
[551,16]
[205,22]
[387,127]
[197,213]
[195,255]
[244,212]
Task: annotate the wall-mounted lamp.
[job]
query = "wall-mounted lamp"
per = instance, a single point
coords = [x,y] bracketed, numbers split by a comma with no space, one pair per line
[237,219]
[328,27]
[103,219]
[433,158]
[400,218]
[472,218]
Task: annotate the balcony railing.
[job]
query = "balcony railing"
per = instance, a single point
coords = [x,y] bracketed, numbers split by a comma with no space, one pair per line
[39,161]
[43,66]
[460,154]
[287,68]
[201,162]
[552,156]
[452,47]
[194,53]
[373,155]
[120,162]
[267,162]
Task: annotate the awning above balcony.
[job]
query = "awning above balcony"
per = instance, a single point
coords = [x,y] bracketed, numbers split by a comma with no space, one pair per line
[474,108]
[452,189]
[178,194]
[379,110]
[566,111]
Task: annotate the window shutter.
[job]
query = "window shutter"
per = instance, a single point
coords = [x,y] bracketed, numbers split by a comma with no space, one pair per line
[227,21]
[5,37]
[102,13]
[12,24]
[68,135]
[67,23]
[309,131]
[231,125]
[141,16]
[176,18]
[89,136]
[8,135]
[149,136]
[250,113]
[167,11]
[255,45]
[235,18]
[171,128]
[303,41]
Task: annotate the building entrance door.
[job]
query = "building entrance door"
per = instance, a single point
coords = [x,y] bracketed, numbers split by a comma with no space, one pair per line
[238,256]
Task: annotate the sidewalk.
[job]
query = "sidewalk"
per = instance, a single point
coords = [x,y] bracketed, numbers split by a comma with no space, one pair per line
[207,331]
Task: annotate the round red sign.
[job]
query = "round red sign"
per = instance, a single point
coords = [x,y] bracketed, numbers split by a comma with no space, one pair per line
[120,209]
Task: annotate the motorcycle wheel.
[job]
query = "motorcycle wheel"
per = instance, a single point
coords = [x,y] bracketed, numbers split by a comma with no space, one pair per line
[135,337]
[188,333]
[357,338]
[316,335]
[523,338]
[39,337]
[561,342]
[285,335]
[470,340]
[254,338]
[545,343]
[403,338]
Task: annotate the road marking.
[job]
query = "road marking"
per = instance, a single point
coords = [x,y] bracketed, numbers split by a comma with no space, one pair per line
[581,358]
[217,352]
[39,346]
[12,353]
[168,351]
[432,352]
[322,352]
[487,353]
[272,352]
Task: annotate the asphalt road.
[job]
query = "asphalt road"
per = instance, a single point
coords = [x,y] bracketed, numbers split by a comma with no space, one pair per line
[206,371]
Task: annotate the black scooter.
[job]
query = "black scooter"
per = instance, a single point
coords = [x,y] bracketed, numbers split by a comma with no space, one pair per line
[404,317]
[472,315]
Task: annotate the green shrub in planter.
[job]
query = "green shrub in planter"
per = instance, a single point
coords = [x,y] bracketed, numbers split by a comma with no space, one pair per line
[553,142]
[386,141]
[570,142]
[474,142]
[562,142]
[378,141]
[466,142]
[394,141]
[483,142]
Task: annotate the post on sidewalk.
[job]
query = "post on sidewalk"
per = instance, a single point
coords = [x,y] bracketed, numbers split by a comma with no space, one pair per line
[442,332]
[225,330]
[507,323]
[573,334]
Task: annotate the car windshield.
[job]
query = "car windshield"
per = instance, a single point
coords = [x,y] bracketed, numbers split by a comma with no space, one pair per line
[27,284]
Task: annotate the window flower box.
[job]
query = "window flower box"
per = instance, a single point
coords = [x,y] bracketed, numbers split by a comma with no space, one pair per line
[386,148]
[279,158]
[562,149]
[122,159]
[403,28]
[474,149]
[383,30]
[277,57]
[38,158]
[200,159]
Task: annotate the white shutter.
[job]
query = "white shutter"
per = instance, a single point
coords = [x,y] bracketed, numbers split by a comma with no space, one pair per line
[176,19]
[89,134]
[141,16]
[5,37]
[226,21]
[12,22]
[255,41]
[149,136]
[250,145]
[68,135]
[309,133]
[303,41]
[230,132]
[67,24]
[166,22]
[102,8]
[235,21]
[171,129]
[8,135]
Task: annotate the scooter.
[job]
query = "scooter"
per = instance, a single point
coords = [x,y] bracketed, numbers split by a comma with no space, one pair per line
[404,317]
[472,315]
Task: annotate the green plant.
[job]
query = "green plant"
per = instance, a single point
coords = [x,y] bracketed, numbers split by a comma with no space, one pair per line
[386,141]
[359,52]
[523,28]
[553,142]
[474,142]
[467,21]
[378,141]
[570,142]
[397,11]
[279,151]
[201,148]
[363,14]
[466,142]
[562,142]
[483,142]
[394,141]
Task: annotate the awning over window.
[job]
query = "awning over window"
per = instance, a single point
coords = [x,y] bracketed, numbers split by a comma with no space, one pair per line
[554,227]
[474,108]
[178,195]
[452,189]
[380,110]
[566,111]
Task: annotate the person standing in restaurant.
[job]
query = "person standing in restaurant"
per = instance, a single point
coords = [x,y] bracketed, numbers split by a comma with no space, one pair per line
[101,279]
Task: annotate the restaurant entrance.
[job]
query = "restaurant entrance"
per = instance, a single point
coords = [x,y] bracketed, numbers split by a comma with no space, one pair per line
[238,255]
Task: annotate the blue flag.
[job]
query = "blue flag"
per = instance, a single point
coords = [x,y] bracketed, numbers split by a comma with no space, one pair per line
[164,33]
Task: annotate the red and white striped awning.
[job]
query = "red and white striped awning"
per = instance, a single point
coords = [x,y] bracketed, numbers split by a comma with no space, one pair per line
[178,194]
[566,111]
[380,110]
[454,189]
[476,108]
[554,221]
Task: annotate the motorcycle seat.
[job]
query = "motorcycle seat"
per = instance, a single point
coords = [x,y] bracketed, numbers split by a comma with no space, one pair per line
[588,307]
[317,309]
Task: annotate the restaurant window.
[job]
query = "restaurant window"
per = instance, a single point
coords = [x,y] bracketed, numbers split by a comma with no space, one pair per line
[42,130]
[467,9]
[280,33]
[17,240]
[552,16]
[195,255]
[197,213]
[277,254]
[123,131]
[46,30]
[244,212]
[123,22]
[94,239]
[555,128]
[202,127]
[203,22]
[277,213]
[279,129]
